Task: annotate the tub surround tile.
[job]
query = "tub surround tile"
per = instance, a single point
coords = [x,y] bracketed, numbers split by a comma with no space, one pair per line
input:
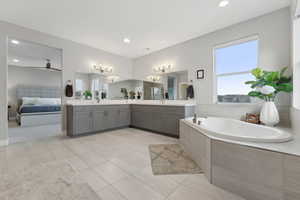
[291,177]
[250,172]
[295,117]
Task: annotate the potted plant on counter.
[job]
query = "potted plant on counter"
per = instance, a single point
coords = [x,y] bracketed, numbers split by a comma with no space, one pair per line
[266,87]
[124,92]
[87,94]
[132,94]
[139,95]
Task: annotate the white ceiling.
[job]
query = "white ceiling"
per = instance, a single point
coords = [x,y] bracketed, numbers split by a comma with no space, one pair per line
[32,54]
[154,24]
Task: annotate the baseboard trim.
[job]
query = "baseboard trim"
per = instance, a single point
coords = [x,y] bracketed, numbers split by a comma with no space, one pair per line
[3,143]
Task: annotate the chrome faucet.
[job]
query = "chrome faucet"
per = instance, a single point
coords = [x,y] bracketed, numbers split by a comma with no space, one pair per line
[98,99]
[162,99]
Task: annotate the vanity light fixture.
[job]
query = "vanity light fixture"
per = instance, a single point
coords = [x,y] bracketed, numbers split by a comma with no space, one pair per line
[126,40]
[223,3]
[163,68]
[103,69]
[154,78]
[15,42]
[112,79]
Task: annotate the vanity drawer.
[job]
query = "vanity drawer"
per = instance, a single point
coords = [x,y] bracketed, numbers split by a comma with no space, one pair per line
[159,108]
[82,108]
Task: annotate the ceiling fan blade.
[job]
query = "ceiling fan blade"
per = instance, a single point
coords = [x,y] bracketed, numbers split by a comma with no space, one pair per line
[54,69]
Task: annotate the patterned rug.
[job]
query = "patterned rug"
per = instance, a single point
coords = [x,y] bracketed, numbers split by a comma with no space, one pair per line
[171,159]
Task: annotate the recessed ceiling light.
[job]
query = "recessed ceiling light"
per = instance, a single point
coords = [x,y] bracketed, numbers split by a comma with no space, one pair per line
[126,40]
[15,41]
[16,60]
[224,3]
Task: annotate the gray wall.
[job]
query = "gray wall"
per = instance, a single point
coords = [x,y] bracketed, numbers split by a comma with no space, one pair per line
[274,31]
[76,57]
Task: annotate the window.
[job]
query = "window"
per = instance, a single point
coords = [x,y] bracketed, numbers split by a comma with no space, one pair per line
[95,85]
[78,85]
[233,65]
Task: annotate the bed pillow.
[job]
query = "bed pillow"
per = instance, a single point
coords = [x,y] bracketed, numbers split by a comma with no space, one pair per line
[49,101]
[29,100]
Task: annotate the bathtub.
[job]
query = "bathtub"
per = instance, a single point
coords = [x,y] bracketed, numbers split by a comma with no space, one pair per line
[233,129]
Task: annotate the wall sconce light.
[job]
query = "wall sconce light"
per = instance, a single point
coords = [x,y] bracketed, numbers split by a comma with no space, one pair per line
[163,68]
[103,69]
[112,79]
[154,78]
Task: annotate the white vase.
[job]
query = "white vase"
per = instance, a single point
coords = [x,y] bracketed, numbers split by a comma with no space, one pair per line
[269,114]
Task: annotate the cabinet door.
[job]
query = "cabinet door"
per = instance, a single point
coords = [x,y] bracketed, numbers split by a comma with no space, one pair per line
[124,118]
[84,122]
[170,123]
[112,118]
[157,122]
[136,119]
[99,121]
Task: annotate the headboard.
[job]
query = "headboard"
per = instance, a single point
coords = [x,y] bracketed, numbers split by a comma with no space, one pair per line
[33,91]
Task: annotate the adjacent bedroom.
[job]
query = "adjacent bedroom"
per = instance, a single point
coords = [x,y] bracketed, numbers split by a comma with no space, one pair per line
[34,91]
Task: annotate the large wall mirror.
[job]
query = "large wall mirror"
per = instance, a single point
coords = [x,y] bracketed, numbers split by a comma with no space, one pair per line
[172,86]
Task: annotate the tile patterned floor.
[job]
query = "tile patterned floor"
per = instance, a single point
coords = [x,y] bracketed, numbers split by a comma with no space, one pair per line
[110,166]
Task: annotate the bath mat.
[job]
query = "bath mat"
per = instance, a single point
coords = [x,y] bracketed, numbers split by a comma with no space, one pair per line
[171,159]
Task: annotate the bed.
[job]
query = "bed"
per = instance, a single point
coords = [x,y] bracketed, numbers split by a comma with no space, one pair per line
[38,106]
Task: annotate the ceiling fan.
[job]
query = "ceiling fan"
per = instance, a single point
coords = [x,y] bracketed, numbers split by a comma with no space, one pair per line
[48,66]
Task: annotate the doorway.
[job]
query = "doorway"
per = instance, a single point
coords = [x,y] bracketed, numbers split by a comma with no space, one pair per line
[34,88]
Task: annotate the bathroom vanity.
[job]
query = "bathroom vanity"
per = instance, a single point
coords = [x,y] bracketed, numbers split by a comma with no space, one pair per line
[84,119]
[153,116]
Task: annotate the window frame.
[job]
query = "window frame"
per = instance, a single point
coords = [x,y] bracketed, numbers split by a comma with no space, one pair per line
[216,76]
[76,85]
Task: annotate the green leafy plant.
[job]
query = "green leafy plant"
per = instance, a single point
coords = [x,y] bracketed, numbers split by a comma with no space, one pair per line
[124,92]
[269,83]
[132,94]
[139,94]
[87,94]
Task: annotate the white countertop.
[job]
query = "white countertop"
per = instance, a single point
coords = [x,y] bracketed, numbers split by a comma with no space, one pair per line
[135,102]
[292,147]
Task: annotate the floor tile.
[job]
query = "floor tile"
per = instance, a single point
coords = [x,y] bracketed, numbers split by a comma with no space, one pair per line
[110,193]
[110,172]
[162,184]
[134,189]
[114,165]
[93,179]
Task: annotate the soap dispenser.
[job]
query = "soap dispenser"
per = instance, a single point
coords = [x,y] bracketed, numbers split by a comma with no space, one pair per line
[195,118]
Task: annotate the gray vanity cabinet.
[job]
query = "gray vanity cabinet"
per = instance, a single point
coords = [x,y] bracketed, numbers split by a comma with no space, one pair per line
[94,118]
[160,118]
[99,121]
[124,117]
[84,122]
